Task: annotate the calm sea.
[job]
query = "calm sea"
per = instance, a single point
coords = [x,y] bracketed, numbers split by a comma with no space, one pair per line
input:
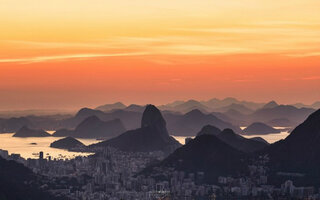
[30,147]
[271,138]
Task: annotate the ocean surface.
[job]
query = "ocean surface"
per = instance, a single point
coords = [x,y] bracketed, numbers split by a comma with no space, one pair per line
[26,149]
[271,138]
[30,147]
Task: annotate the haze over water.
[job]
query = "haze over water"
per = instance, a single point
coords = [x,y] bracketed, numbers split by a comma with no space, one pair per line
[26,150]
[270,138]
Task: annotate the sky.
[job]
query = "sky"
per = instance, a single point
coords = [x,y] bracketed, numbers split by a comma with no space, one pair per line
[69,54]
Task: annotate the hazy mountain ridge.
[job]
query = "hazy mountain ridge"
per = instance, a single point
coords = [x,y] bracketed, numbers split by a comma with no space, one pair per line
[269,113]
[191,122]
[93,127]
[240,143]
[207,154]
[109,107]
[152,136]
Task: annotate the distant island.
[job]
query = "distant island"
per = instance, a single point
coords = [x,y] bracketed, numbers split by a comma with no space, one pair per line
[259,128]
[27,132]
[68,143]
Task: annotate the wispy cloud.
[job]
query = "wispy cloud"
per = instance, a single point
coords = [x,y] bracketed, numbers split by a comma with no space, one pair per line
[311,78]
[65,57]
[307,54]
[306,78]
[52,45]
[287,38]
[244,80]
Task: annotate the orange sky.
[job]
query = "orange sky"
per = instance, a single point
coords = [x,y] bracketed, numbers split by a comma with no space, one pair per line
[69,54]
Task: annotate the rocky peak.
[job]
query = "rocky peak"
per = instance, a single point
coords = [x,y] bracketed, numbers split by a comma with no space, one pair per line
[209,130]
[152,118]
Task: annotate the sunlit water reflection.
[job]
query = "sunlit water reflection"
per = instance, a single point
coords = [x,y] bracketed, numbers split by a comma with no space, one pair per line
[271,138]
[27,149]
[31,146]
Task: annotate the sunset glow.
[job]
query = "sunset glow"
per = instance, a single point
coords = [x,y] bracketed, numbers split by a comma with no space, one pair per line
[55,52]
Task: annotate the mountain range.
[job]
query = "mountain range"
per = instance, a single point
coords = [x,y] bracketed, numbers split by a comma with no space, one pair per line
[191,122]
[93,127]
[229,110]
[14,124]
[240,143]
[109,107]
[207,154]
[234,140]
[300,151]
[151,136]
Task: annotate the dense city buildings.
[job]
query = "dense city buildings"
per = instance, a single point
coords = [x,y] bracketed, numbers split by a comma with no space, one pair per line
[115,175]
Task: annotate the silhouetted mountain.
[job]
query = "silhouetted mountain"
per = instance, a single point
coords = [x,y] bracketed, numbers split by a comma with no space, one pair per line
[175,103]
[152,136]
[260,139]
[239,142]
[13,124]
[81,115]
[51,122]
[152,118]
[282,122]
[27,132]
[217,103]
[19,183]
[67,143]
[209,130]
[259,128]
[316,105]
[271,104]
[283,111]
[63,133]
[300,105]
[130,119]
[191,122]
[87,112]
[108,107]
[135,108]
[234,117]
[292,114]
[191,105]
[224,117]
[93,127]
[170,106]
[300,151]
[205,153]
[234,106]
